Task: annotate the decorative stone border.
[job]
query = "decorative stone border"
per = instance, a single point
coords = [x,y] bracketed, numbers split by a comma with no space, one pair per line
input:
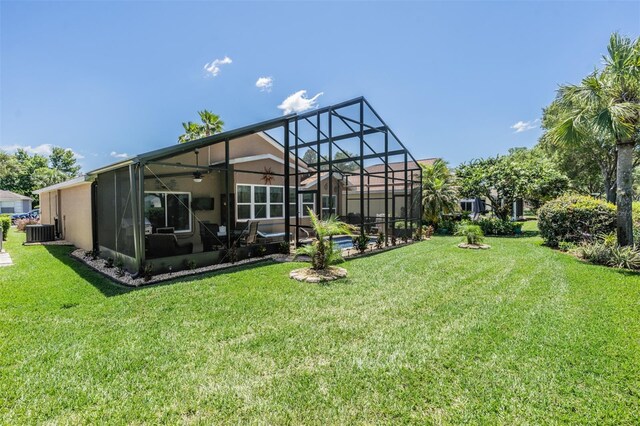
[474,246]
[130,280]
[314,276]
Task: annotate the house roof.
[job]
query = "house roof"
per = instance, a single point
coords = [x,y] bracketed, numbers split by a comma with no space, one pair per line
[11,196]
[378,181]
[80,180]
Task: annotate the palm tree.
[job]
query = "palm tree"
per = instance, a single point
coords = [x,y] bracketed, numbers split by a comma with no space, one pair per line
[211,124]
[439,193]
[192,131]
[322,251]
[607,104]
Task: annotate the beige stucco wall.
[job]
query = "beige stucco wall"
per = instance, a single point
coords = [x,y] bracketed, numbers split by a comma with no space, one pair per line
[72,207]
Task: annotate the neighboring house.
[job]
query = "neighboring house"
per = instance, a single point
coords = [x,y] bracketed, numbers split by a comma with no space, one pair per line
[189,201]
[10,202]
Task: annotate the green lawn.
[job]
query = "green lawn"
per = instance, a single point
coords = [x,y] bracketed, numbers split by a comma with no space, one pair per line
[428,333]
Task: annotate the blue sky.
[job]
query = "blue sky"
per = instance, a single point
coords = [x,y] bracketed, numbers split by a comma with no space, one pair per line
[451,79]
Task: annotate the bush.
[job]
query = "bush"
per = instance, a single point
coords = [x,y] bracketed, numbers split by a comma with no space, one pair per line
[447,227]
[495,226]
[604,253]
[575,218]
[21,224]
[566,246]
[473,233]
[5,222]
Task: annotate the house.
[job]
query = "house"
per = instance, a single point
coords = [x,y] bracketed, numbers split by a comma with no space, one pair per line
[194,202]
[10,202]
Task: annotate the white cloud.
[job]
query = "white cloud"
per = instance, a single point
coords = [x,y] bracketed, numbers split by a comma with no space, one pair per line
[119,154]
[264,84]
[213,68]
[44,149]
[298,102]
[523,126]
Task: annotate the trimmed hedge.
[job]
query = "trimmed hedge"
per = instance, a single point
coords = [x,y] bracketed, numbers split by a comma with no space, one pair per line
[5,222]
[495,226]
[575,218]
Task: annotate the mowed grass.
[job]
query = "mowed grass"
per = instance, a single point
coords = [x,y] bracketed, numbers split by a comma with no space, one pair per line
[425,334]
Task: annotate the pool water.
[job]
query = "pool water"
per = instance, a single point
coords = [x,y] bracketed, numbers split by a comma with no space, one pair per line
[347,242]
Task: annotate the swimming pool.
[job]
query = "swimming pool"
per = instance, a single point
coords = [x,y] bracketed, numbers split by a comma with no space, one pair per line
[346,242]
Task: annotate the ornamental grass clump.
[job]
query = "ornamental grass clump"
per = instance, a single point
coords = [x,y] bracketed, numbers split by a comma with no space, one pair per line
[472,233]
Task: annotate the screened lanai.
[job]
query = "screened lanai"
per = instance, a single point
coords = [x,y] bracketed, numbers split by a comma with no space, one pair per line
[197,201]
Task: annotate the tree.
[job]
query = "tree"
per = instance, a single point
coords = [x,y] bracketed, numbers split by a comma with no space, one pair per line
[23,173]
[348,166]
[606,104]
[439,193]
[590,166]
[211,124]
[64,161]
[310,157]
[524,173]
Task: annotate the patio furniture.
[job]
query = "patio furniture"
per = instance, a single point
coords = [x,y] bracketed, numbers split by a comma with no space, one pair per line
[166,245]
[250,236]
[209,236]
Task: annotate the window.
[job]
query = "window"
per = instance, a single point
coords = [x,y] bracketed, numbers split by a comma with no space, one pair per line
[168,209]
[328,208]
[259,202]
[466,205]
[307,202]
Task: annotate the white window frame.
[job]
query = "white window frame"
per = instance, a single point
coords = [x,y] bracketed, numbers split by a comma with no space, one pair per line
[252,204]
[333,207]
[166,217]
[303,210]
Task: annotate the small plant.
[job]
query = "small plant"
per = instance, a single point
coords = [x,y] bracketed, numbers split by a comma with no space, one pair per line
[624,257]
[361,242]
[88,254]
[119,264]
[232,252]
[380,241]
[109,262]
[566,246]
[394,240]
[472,233]
[323,252]
[261,251]
[427,231]
[147,271]
[284,248]
[190,264]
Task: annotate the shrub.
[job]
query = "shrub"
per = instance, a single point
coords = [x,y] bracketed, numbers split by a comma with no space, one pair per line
[380,240]
[361,242]
[427,231]
[604,253]
[21,224]
[575,218]
[446,227]
[5,222]
[495,226]
[473,233]
[284,247]
[566,246]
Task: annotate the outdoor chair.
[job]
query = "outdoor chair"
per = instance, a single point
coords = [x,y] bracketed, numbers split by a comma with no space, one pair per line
[249,236]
